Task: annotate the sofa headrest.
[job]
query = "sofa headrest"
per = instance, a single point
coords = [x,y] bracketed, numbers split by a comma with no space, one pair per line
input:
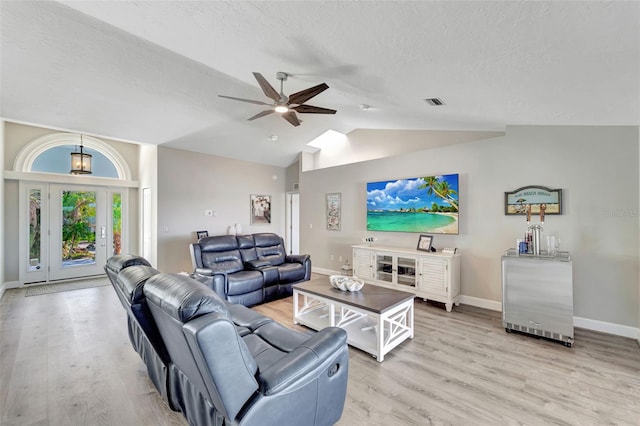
[120,261]
[131,280]
[219,243]
[183,298]
[267,239]
[245,241]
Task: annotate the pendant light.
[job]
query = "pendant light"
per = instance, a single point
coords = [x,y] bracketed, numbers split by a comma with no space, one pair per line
[80,161]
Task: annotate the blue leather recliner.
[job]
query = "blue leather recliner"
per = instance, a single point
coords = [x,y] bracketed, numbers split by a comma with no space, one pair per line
[231,365]
[221,363]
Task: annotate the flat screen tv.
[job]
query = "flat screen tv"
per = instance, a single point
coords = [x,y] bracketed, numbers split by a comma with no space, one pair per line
[426,204]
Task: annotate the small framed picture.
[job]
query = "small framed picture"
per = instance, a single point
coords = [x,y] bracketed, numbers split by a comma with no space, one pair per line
[334,211]
[424,242]
[260,209]
[201,234]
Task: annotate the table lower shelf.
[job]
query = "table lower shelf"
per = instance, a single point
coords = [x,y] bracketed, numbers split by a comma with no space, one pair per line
[362,327]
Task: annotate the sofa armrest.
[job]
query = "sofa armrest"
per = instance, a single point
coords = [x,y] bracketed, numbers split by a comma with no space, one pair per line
[297,258]
[256,264]
[208,272]
[303,259]
[323,353]
[217,281]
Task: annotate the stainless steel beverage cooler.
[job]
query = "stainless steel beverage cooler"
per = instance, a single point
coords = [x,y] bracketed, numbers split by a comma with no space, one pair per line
[537,295]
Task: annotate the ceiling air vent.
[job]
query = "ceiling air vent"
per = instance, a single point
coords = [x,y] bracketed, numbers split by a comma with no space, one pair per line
[434,101]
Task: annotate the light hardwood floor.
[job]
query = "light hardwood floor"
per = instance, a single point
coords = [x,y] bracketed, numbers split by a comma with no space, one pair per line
[65,359]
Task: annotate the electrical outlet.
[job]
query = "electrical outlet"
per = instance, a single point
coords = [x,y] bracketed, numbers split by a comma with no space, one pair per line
[339,258]
[208,212]
[332,258]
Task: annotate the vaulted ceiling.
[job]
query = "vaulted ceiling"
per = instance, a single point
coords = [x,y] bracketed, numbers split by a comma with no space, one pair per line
[150,72]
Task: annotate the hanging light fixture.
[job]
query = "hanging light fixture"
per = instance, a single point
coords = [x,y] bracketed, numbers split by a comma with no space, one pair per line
[80,161]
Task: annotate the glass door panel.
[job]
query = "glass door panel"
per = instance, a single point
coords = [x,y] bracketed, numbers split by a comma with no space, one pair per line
[78,231]
[116,222]
[384,268]
[78,228]
[35,229]
[33,255]
[407,271]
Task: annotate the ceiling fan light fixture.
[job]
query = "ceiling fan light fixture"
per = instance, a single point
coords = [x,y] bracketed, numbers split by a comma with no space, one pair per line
[281,109]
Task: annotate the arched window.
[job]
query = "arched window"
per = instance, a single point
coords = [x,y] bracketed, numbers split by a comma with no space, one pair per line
[52,154]
[57,160]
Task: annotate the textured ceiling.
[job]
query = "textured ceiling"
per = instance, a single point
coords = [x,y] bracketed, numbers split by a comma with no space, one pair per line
[148,71]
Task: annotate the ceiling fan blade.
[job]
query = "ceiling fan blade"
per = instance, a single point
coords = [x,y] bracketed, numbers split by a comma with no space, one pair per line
[291,117]
[310,109]
[245,100]
[261,114]
[266,87]
[304,95]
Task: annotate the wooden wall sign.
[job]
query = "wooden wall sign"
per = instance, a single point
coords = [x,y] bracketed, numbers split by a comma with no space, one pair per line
[516,202]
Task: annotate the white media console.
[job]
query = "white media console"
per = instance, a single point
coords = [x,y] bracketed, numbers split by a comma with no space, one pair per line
[431,276]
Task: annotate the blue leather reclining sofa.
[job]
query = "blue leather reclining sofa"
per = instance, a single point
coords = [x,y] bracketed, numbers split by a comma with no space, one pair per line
[248,269]
[224,364]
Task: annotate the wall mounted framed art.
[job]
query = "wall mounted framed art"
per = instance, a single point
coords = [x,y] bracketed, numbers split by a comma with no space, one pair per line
[421,204]
[260,209]
[516,202]
[334,211]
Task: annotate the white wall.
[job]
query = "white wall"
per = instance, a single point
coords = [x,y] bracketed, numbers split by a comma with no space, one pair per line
[2,285]
[371,144]
[190,183]
[148,179]
[596,167]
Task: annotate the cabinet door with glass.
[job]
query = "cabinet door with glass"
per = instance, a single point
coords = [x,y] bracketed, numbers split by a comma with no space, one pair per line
[393,269]
[405,271]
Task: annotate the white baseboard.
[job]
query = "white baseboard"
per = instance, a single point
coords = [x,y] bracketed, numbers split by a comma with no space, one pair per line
[323,271]
[7,286]
[607,327]
[491,305]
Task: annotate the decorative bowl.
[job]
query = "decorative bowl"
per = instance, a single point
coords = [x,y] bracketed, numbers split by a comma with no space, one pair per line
[344,283]
[355,284]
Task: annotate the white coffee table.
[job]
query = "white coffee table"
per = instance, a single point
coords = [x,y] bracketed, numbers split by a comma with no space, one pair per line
[376,319]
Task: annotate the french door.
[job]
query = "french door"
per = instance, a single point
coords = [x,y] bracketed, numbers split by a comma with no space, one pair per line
[70,230]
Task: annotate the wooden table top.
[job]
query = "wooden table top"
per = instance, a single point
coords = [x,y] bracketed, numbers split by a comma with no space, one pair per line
[371,297]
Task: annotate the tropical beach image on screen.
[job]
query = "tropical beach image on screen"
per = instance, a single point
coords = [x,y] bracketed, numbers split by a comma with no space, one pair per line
[422,204]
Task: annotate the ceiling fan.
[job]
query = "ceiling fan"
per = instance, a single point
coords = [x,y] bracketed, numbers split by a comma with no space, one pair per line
[287,106]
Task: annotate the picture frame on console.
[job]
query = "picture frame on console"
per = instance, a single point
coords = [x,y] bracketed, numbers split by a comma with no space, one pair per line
[260,212]
[201,234]
[424,242]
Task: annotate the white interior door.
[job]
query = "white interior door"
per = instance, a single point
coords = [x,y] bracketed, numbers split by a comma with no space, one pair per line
[293,223]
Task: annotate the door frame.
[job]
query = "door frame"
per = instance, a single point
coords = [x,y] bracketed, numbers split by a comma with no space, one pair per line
[292,225]
[43,275]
